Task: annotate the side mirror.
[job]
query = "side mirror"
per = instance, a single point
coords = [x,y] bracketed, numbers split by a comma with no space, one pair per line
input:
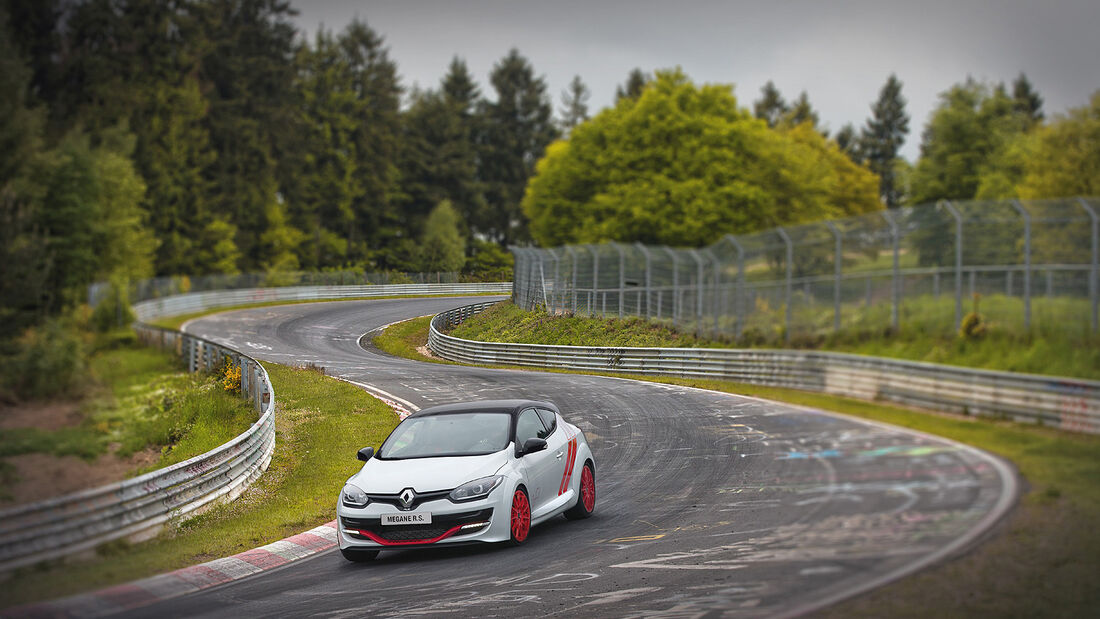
[366,453]
[532,445]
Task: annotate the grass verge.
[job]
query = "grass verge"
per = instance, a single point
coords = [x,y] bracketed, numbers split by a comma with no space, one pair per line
[320,424]
[142,399]
[1051,353]
[174,322]
[1043,562]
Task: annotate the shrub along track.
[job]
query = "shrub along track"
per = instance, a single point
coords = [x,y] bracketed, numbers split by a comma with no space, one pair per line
[707,501]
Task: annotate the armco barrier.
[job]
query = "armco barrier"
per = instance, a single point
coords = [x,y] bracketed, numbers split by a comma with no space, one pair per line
[1066,403]
[137,507]
[200,301]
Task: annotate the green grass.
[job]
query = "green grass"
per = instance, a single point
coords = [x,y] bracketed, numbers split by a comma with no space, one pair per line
[1043,562]
[1052,353]
[320,425]
[175,322]
[143,398]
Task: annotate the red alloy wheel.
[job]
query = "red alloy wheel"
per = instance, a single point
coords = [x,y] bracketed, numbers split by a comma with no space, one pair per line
[521,516]
[588,489]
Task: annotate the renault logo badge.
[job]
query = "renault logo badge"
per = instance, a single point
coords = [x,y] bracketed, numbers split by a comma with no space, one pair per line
[407,496]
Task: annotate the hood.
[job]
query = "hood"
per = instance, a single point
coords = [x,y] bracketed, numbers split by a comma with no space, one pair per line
[426,474]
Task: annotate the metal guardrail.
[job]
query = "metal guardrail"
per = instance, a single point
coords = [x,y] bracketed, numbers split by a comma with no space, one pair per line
[200,301]
[1065,403]
[136,508]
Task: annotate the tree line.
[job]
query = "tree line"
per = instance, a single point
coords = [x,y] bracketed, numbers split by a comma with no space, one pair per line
[162,137]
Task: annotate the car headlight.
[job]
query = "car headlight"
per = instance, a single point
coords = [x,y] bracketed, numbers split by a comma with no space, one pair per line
[353,496]
[476,489]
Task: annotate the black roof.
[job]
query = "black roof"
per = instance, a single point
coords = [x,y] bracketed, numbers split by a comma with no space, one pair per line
[512,407]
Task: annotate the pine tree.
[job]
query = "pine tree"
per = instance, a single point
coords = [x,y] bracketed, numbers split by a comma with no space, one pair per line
[770,107]
[635,84]
[847,140]
[459,87]
[442,248]
[883,136]
[248,62]
[1026,102]
[574,109]
[517,128]
[373,77]
[800,112]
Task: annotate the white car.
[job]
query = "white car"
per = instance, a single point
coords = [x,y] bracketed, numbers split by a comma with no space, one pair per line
[467,473]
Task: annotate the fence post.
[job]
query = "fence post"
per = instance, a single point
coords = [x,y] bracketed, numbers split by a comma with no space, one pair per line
[958,259]
[787,288]
[595,279]
[573,260]
[1094,266]
[675,285]
[837,263]
[1027,261]
[557,283]
[740,290]
[648,280]
[540,253]
[698,290]
[716,291]
[622,276]
[895,292]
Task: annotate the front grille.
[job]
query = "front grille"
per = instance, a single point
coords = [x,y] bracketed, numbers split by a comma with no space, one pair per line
[403,533]
[395,499]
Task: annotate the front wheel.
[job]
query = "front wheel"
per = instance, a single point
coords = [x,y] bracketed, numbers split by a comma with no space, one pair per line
[358,555]
[586,502]
[521,517]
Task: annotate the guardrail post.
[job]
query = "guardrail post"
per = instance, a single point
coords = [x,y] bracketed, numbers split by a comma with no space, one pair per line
[958,259]
[1094,266]
[648,281]
[895,292]
[837,262]
[622,276]
[787,287]
[1027,261]
[675,285]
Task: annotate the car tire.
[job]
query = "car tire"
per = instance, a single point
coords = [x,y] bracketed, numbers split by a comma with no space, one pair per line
[358,555]
[586,497]
[520,522]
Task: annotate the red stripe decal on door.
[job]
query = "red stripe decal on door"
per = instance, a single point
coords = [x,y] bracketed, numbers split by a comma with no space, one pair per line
[569,462]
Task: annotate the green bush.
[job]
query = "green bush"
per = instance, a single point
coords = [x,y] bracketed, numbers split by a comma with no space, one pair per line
[113,310]
[47,361]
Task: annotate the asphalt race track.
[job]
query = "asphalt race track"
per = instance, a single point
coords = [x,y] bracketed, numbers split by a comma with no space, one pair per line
[708,504]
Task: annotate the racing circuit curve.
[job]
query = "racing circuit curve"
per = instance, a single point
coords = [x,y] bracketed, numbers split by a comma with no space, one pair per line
[706,501]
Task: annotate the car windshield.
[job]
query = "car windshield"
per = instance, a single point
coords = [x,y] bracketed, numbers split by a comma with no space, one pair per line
[459,434]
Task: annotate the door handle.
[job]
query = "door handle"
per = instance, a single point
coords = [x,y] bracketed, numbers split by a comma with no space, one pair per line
[559,454]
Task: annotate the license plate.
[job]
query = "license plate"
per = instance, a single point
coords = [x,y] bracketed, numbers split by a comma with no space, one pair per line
[417,518]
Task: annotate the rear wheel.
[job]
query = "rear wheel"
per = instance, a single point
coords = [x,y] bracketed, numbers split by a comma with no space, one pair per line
[358,555]
[586,502]
[521,517]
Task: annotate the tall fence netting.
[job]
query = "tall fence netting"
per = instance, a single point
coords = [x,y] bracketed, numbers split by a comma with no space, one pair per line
[1024,265]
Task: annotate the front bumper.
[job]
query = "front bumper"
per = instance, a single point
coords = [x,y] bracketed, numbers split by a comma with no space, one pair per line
[484,520]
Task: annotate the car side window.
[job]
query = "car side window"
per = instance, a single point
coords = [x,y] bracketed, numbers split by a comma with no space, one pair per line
[528,426]
[549,420]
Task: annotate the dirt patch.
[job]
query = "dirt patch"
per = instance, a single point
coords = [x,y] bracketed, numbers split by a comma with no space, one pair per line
[42,415]
[42,476]
[424,350]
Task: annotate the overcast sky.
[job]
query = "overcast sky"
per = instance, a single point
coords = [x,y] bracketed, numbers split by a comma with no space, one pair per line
[839,52]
